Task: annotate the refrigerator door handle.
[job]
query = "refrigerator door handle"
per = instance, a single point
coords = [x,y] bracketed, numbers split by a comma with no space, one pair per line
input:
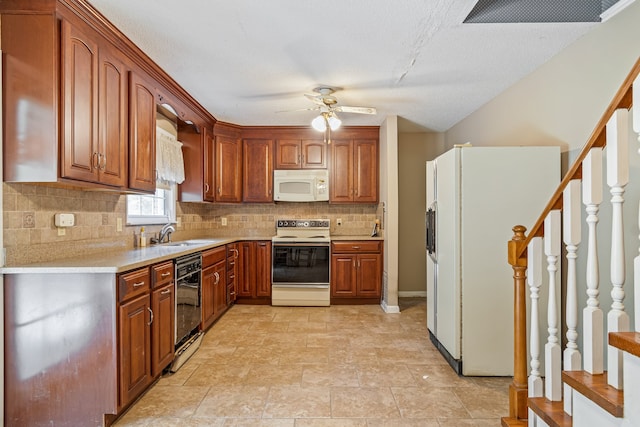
[431,231]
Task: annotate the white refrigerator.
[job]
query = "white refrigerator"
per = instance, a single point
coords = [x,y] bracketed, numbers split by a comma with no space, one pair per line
[475,195]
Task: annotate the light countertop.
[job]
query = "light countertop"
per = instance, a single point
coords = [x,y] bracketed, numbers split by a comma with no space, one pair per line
[124,260]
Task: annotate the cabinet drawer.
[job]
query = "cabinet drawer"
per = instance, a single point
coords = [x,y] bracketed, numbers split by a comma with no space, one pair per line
[213,256]
[134,283]
[162,274]
[356,246]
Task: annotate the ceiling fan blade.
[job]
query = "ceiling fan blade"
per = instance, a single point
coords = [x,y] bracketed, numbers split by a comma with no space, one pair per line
[299,109]
[317,99]
[357,110]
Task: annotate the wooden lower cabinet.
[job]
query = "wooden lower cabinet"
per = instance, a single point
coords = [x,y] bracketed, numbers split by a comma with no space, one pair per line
[356,272]
[146,328]
[214,285]
[134,343]
[232,272]
[254,279]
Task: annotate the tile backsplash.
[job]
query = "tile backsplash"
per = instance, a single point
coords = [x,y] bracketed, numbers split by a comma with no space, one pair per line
[30,234]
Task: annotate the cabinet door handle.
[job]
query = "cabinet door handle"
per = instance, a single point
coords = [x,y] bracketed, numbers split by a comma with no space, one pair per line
[102,161]
[219,190]
[354,263]
[358,263]
[206,187]
[355,247]
[165,292]
[217,276]
[137,285]
[95,163]
[168,273]
[237,253]
[151,320]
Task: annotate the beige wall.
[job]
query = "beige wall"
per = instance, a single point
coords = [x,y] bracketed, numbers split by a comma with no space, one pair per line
[414,149]
[389,203]
[560,102]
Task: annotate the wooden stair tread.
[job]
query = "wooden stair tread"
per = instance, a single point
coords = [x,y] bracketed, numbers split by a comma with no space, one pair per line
[551,413]
[513,422]
[595,388]
[626,341]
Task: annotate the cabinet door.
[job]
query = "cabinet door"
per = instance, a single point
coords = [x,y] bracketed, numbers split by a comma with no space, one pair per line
[369,275]
[246,272]
[142,134]
[232,271]
[112,101]
[288,154]
[207,292]
[258,170]
[341,182]
[134,344]
[365,171]
[314,154]
[162,328]
[209,167]
[220,289]
[80,104]
[228,170]
[263,269]
[343,275]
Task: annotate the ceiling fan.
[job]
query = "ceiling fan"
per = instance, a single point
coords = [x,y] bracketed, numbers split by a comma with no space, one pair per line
[328,120]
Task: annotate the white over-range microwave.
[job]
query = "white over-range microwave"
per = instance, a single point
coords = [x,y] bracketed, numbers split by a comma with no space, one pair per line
[303,185]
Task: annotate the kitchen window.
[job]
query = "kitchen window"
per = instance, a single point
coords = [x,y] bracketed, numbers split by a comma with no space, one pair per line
[158,208]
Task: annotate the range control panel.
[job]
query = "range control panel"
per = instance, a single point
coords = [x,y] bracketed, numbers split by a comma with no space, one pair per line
[303,223]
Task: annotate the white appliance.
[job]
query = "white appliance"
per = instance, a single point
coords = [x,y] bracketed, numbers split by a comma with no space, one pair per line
[303,185]
[474,197]
[301,261]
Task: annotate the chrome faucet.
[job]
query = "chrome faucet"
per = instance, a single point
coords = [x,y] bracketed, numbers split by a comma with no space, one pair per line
[166,231]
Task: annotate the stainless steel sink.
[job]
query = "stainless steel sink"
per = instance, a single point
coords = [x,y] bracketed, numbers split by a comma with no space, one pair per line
[179,244]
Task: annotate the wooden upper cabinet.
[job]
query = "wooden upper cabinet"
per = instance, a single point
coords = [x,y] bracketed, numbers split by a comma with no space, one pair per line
[209,167]
[301,154]
[257,182]
[142,133]
[341,171]
[228,169]
[112,118]
[94,85]
[365,170]
[354,171]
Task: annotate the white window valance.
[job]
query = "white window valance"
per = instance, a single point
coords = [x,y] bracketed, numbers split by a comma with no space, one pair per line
[169,160]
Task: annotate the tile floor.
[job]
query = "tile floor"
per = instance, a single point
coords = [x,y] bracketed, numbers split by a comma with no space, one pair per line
[347,366]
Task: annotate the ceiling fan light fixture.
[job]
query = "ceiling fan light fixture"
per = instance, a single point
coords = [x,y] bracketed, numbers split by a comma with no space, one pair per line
[334,122]
[319,123]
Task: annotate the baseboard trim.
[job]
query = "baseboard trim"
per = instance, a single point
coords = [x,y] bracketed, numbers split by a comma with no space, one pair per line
[389,308]
[412,294]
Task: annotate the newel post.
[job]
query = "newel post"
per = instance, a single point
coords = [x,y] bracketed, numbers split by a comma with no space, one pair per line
[518,389]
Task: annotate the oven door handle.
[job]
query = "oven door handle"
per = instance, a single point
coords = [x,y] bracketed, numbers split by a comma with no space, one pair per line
[305,244]
[302,285]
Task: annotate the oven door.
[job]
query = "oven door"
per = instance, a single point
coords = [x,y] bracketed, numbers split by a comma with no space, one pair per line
[300,274]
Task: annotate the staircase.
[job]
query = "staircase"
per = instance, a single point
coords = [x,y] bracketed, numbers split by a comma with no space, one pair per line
[575,388]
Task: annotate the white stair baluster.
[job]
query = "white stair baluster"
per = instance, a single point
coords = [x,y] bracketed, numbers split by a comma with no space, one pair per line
[534,278]
[571,234]
[592,316]
[617,179]
[553,368]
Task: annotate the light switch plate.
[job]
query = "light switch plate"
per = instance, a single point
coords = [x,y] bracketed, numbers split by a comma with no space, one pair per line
[118,224]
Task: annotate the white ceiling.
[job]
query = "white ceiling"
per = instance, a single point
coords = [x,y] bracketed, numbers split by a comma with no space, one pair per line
[247,60]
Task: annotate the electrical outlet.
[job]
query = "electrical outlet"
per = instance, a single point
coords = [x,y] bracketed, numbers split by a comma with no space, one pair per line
[118,224]
[179,222]
[339,221]
[223,220]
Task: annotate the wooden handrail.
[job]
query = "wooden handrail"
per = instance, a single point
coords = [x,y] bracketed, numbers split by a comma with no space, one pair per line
[622,99]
